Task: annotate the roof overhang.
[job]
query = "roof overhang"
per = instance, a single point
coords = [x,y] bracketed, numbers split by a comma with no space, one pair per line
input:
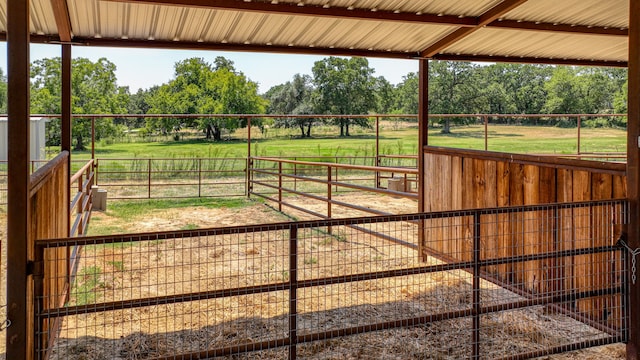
[580,32]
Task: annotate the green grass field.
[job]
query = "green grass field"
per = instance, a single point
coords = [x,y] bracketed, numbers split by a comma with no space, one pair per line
[517,139]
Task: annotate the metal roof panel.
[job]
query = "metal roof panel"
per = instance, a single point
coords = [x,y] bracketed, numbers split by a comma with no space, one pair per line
[611,13]
[519,43]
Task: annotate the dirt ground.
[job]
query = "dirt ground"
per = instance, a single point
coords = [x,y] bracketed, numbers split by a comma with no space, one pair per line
[191,329]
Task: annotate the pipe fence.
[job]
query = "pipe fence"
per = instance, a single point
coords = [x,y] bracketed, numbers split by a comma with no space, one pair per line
[276,179]
[335,288]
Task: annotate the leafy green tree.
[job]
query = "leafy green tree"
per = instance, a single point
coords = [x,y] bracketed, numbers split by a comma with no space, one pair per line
[200,88]
[453,89]
[599,87]
[295,97]
[406,95]
[621,98]
[94,91]
[345,86]
[521,87]
[385,98]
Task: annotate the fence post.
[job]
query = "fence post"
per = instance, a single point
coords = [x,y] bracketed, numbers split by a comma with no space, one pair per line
[93,137]
[295,172]
[95,171]
[579,128]
[329,170]
[293,292]
[248,177]
[79,205]
[486,132]
[149,178]
[280,186]
[199,177]
[377,151]
[476,287]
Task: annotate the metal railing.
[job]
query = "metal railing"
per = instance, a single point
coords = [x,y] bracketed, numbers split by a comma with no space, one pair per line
[296,289]
[82,202]
[274,179]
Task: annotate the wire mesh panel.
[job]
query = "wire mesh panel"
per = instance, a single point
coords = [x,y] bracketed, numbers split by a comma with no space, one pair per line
[3,185]
[154,296]
[350,288]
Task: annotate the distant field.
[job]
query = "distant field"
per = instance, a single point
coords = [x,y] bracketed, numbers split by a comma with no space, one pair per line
[398,140]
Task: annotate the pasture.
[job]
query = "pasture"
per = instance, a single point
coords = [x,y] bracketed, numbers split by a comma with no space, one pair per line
[394,139]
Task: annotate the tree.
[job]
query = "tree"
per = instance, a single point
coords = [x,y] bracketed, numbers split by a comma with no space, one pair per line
[94,91]
[200,88]
[295,97]
[385,99]
[406,95]
[564,92]
[453,89]
[345,86]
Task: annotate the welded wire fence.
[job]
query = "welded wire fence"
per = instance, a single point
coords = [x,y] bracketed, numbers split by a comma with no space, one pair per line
[3,185]
[342,288]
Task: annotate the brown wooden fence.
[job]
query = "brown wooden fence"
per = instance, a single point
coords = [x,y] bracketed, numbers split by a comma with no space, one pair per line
[466,179]
[54,215]
[49,219]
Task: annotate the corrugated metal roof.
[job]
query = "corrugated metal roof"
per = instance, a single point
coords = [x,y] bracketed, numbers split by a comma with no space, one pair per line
[379,26]
[42,19]
[458,7]
[520,43]
[611,13]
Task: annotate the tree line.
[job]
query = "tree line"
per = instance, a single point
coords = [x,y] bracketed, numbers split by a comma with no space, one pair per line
[336,86]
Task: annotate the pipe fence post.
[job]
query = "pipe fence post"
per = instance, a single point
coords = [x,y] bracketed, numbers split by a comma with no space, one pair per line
[293,292]
[377,150]
[579,128]
[280,186]
[199,177]
[149,178]
[93,137]
[486,132]
[476,287]
[329,170]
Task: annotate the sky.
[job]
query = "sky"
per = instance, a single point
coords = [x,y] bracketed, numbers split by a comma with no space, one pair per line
[143,68]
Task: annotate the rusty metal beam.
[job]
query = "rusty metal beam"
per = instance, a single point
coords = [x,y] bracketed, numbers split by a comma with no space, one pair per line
[491,15]
[65,111]
[313,10]
[557,27]
[423,140]
[194,45]
[529,60]
[633,172]
[185,45]
[63,22]
[20,335]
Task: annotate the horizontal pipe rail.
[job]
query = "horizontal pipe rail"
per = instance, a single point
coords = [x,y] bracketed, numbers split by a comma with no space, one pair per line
[257,289]
[326,116]
[340,166]
[243,229]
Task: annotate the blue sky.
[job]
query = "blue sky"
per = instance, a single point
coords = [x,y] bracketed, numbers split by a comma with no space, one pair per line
[138,68]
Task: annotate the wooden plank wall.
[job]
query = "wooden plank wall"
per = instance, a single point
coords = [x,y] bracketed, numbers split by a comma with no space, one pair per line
[49,219]
[466,179]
